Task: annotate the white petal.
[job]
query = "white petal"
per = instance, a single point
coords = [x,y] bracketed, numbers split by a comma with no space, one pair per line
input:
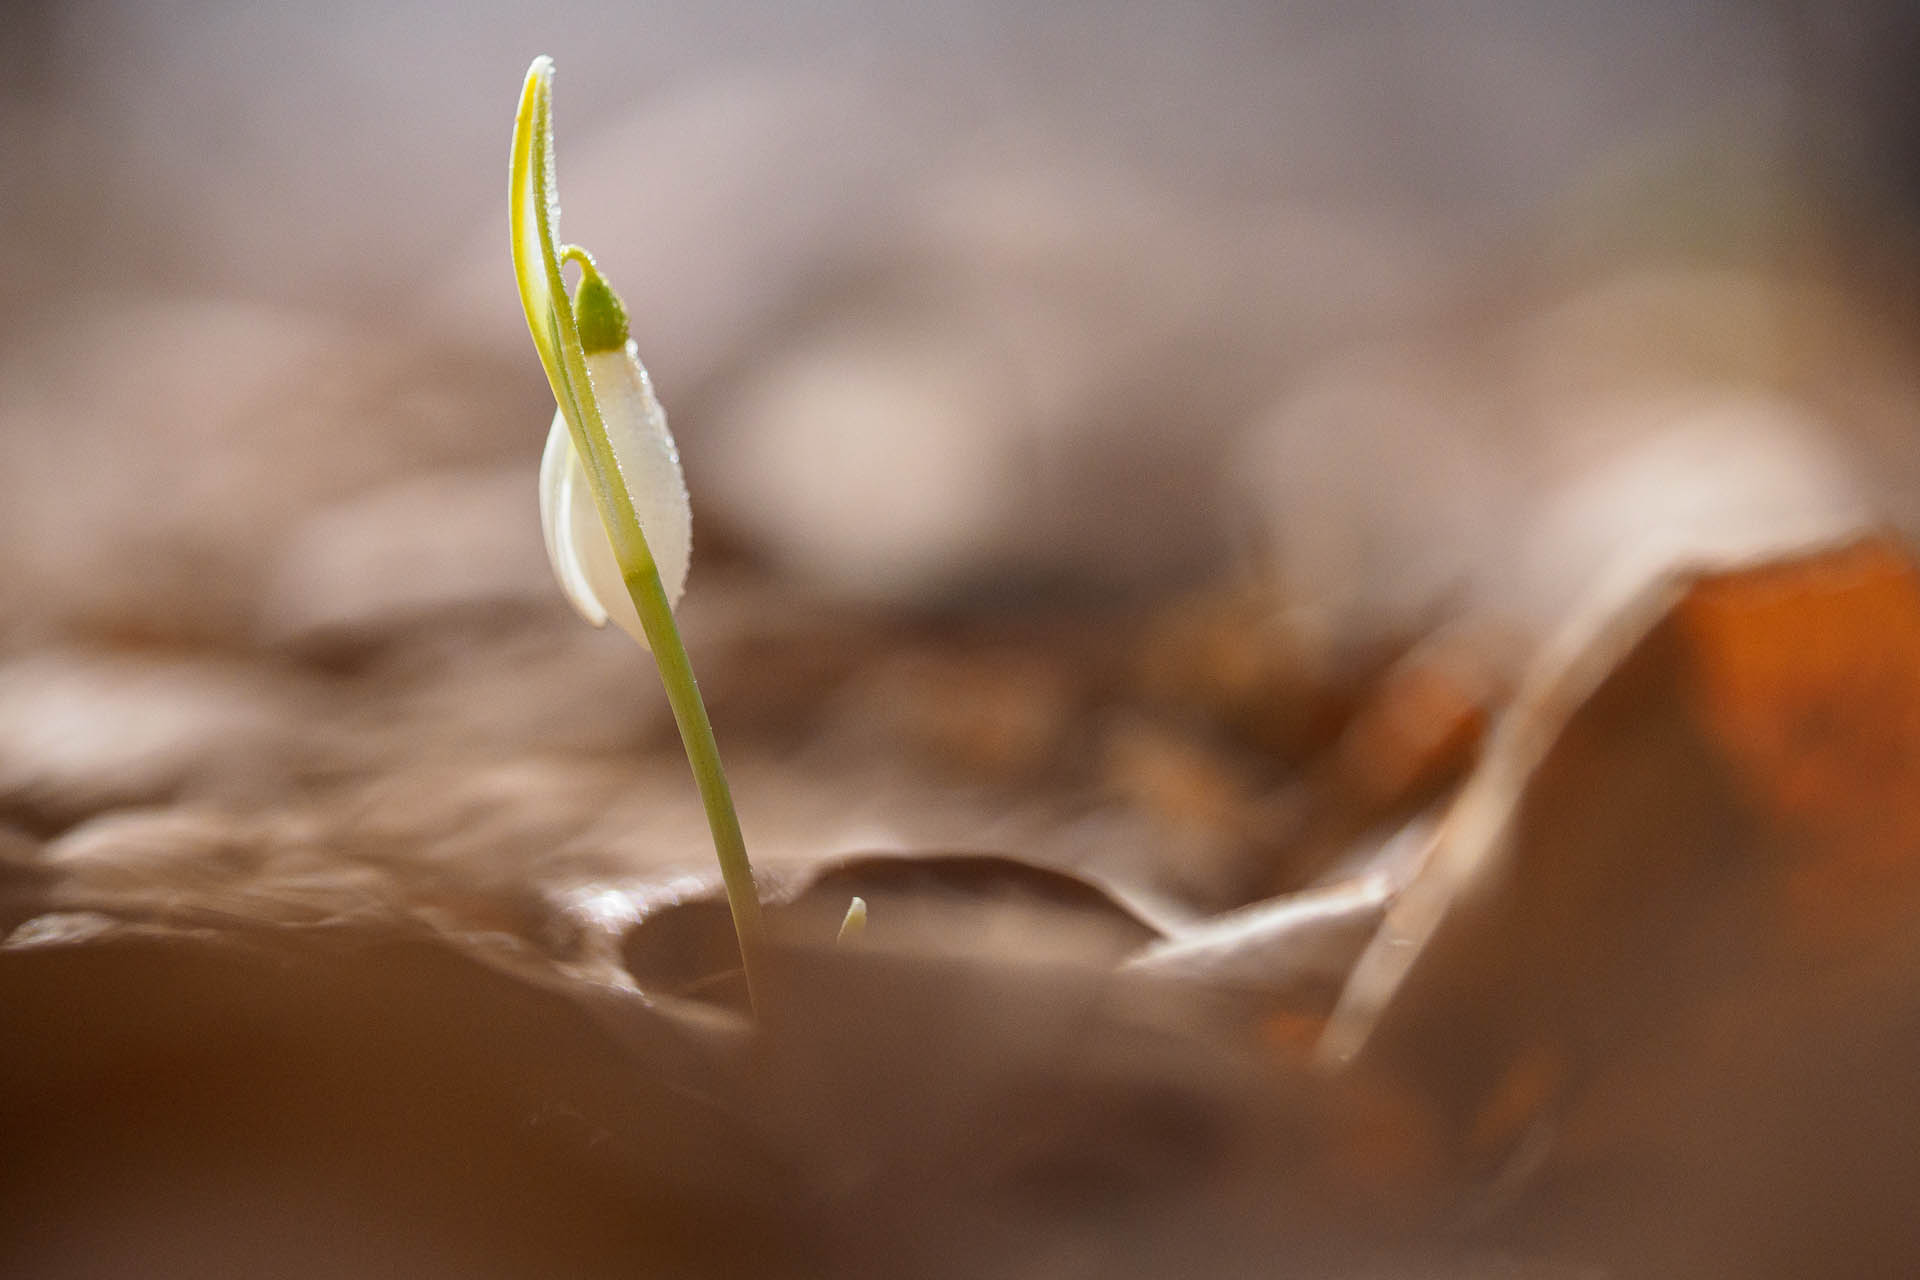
[562,478]
[591,553]
[643,450]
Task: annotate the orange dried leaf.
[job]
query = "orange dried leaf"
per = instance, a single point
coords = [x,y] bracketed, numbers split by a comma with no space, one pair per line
[1806,679]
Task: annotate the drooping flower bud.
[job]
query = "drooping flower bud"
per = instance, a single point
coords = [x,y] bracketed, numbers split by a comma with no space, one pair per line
[578,545]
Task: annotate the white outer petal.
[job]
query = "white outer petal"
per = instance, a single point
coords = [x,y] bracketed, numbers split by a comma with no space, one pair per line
[562,480]
[643,449]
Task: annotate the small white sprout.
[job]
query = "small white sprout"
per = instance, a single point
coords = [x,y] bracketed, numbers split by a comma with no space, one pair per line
[855,922]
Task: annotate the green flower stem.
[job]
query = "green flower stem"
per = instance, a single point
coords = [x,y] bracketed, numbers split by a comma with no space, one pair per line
[703,753]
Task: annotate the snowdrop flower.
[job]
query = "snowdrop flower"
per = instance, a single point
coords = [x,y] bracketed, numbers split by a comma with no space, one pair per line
[613,506]
[649,466]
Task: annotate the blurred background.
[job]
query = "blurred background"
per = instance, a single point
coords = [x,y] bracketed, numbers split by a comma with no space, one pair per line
[1147,440]
[1085,408]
